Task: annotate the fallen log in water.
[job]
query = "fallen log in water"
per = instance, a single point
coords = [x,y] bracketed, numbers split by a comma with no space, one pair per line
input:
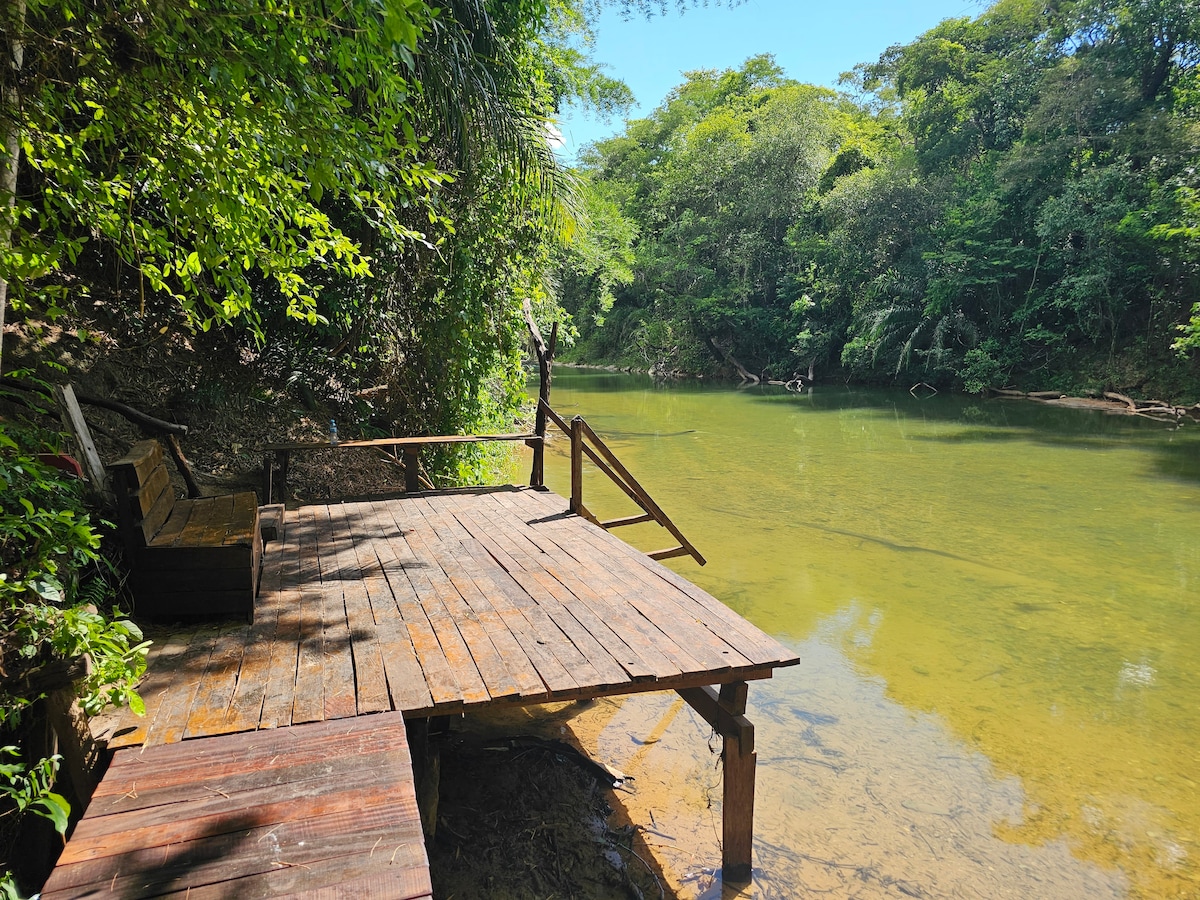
[1110,402]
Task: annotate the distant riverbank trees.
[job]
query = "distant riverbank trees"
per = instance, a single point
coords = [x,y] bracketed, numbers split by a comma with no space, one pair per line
[1007,199]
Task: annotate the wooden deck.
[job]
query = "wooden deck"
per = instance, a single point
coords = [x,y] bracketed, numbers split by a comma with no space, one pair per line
[317,810]
[437,603]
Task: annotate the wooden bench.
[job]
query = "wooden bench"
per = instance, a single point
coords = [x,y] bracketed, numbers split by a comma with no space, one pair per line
[188,557]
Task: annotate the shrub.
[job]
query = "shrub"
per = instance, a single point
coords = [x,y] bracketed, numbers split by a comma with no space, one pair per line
[55,607]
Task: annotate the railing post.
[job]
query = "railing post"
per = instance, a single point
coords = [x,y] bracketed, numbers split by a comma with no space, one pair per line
[412,470]
[268,471]
[537,475]
[284,457]
[577,465]
[545,357]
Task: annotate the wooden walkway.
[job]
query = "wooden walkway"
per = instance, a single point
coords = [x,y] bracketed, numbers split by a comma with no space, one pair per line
[438,603]
[443,602]
[317,810]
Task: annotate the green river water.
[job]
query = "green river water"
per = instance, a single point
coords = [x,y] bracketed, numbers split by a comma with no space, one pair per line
[997,605]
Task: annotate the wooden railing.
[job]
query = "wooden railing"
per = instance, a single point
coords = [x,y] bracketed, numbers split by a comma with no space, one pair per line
[276,457]
[585,442]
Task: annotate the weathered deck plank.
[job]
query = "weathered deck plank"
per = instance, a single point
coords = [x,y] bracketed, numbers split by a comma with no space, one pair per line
[308,704]
[171,719]
[558,665]
[406,685]
[579,651]
[751,642]
[606,618]
[457,672]
[531,668]
[280,690]
[656,602]
[246,706]
[395,556]
[337,657]
[445,603]
[316,809]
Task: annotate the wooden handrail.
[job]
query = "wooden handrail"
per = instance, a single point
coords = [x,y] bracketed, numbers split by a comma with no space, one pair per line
[421,441]
[585,442]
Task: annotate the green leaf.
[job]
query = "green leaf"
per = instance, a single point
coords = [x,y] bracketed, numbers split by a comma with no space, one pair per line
[55,808]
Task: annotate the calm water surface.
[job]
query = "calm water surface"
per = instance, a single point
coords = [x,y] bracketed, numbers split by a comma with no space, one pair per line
[997,608]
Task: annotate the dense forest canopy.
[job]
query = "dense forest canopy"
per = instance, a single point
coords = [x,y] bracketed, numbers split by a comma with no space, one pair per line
[1007,199]
[367,179]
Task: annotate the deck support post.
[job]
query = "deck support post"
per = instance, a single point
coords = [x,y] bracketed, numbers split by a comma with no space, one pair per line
[427,769]
[725,712]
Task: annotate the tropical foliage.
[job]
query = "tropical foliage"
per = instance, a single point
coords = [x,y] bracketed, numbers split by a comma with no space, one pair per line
[1009,198]
[55,607]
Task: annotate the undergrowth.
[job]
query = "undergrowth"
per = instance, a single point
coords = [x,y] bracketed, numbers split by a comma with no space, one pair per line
[57,608]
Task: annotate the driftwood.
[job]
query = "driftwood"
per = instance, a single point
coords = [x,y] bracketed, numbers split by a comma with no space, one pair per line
[1121,398]
[725,356]
[1110,402]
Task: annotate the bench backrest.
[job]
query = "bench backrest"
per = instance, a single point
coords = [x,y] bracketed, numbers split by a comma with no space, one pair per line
[144,494]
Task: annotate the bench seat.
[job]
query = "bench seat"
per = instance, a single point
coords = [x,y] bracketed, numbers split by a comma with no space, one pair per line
[188,557]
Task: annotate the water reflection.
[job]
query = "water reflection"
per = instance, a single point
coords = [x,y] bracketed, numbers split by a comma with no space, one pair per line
[1004,594]
[857,796]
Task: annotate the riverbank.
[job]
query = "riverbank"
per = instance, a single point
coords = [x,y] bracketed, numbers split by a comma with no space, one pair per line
[522,815]
[1108,402]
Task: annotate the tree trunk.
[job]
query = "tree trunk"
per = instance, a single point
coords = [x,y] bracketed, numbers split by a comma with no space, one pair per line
[11,133]
[545,358]
[728,358]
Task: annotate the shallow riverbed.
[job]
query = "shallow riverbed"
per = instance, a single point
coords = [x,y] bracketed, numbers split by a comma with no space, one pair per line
[997,608]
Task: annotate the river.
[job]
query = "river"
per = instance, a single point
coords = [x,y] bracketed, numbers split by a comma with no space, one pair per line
[997,605]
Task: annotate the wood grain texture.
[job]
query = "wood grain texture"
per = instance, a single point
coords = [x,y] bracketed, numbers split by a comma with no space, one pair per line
[300,811]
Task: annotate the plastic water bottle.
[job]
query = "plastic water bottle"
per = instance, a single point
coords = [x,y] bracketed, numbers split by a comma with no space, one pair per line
[333,437]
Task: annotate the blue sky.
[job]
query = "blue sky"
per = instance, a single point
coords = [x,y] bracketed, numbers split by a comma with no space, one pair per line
[813,42]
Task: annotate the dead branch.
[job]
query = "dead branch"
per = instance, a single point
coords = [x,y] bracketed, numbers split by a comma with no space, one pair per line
[158,426]
[1121,398]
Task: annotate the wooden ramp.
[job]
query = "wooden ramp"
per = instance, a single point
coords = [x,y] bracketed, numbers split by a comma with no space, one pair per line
[313,811]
